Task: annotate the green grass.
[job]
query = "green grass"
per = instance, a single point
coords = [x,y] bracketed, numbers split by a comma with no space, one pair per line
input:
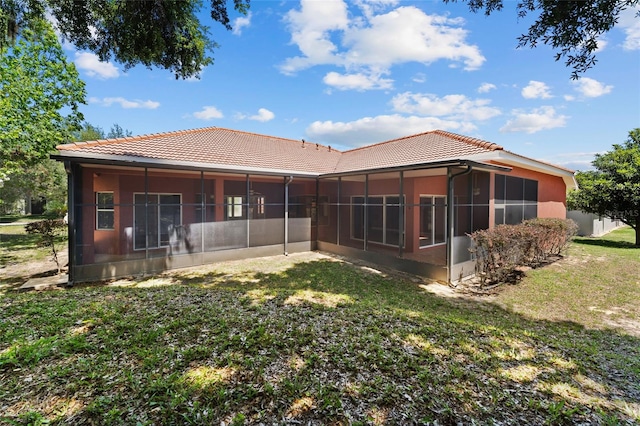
[597,285]
[16,246]
[322,342]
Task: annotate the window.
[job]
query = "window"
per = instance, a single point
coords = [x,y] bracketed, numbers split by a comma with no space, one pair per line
[516,199]
[433,217]
[234,207]
[157,222]
[257,206]
[383,219]
[104,210]
[209,204]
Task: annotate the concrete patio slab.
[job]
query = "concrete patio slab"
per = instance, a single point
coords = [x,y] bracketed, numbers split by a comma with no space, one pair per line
[45,283]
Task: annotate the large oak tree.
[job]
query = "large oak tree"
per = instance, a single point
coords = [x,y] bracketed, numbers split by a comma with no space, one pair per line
[571,27]
[162,33]
[40,96]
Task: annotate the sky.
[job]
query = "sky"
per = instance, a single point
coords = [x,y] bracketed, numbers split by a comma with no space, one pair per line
[348,74]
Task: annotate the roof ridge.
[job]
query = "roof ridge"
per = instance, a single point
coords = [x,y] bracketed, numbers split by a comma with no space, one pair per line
[280,138]
[466,139]
[492,146]
[109,141]
[82,144]
[389,141]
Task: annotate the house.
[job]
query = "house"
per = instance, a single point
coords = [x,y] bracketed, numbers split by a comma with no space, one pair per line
[145,204]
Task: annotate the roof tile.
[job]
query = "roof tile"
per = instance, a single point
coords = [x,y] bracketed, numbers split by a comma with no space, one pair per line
[220,146]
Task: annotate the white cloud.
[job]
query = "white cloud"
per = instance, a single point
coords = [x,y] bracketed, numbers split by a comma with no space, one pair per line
[263,115]
[486,87]
[536,90]
[630,24]
[369,7]
[208,113]
[90,63]
[542,118]
[451,106]
[419,78]
[369,130]
[357,81]
[125,103]
[591,88]
[240,23]
[369,45]
[310,28]
[573,160]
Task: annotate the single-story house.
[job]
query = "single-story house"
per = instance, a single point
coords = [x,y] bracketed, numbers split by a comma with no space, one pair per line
[144,204]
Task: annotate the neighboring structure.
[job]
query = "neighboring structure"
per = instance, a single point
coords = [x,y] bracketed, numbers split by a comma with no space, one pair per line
[592,225]
[145,204]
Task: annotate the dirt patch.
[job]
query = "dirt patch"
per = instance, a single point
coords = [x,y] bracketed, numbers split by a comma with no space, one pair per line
[13,275]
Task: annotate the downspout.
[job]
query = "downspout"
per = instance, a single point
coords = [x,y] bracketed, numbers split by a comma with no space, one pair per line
[450,214]
[71,221]
[287,182]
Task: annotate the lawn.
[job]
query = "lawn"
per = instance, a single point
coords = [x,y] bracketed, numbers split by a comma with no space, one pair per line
[328,342]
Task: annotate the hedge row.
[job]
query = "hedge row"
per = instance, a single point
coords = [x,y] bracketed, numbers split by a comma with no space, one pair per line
[502,250]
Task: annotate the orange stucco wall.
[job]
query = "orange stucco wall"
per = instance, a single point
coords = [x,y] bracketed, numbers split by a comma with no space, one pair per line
[125,182]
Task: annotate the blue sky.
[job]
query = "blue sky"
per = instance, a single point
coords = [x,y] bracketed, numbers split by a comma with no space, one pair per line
[352,74]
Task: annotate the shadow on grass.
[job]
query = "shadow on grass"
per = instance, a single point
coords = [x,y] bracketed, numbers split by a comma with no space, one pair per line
[321,342]
[605,243]
[17,219]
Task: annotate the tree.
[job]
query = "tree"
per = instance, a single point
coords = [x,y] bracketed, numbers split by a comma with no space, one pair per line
[118,132]
[570,27]
[49,232]
[162,33]
[40,94]
[88,132]
[613,189]
[46,180]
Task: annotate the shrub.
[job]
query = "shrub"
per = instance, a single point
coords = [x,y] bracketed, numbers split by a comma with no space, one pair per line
[48,231]
[501,251]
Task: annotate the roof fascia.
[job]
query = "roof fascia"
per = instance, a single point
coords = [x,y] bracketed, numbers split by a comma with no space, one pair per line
[128,161]
[530,164]
[422,166]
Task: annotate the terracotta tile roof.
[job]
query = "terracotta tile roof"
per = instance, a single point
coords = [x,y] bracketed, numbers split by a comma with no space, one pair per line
[220,146]
[421,148]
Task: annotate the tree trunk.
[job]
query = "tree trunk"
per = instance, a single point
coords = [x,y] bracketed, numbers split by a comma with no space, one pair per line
[637,228]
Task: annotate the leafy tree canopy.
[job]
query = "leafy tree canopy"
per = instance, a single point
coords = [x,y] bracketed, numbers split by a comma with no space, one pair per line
[613,189]
[89,132]
[40,94]
[162,33]
[118,132]
[46,179]
[570,27]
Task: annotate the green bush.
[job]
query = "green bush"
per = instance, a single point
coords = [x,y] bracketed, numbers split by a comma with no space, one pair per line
[48,232]
[502,250]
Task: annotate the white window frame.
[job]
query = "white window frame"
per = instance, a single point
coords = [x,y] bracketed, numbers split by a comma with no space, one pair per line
[107,210]
[433,220]
[233,206]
